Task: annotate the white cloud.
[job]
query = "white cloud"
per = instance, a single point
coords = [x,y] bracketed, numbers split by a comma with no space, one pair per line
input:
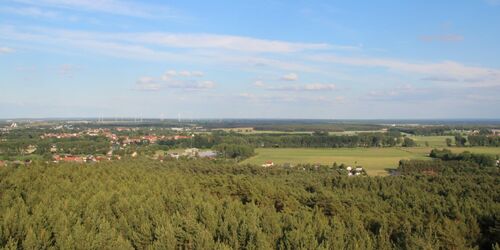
[340,99]
[442,38]
[147,83]
[67,69]
[29,11]
[227,42]
[297,87]
[5,50]
[290,77]
[259,84]
[185,80]
[443,70]
[115,7]
[288,98]
[170,40]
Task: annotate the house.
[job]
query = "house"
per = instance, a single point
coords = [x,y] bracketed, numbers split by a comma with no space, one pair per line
[180,137]
[56,158]
[268,164]
[53,148]
[30,149]
[359,169]
[207,154]
[150,138]
[2,164]
[174,155]
[102,158]
[71,158]
[134,154]
[191,152]
[90,158]
[349,168]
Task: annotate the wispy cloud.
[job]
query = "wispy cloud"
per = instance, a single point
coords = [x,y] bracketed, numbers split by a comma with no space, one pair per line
[216,41]
[305,87]
[124,8]
[146,83]
[67,70]
[29,11]
[446,69]
[290,77]
[442,38]
[440,79]
[5,50]
[184,80]
[287,98]
[296,87]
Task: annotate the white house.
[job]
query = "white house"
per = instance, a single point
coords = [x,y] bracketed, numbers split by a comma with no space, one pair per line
[268,164]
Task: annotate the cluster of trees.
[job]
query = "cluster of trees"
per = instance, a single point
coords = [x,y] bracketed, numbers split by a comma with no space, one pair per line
[141,204]
[440,167]
[234,151]
[484,140]
[12,148]
[425,131]
[325,141]
[460,140]
[483,160]
[317,139]
[292,125]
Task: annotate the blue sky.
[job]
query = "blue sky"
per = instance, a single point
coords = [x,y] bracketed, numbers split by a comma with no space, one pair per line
[250,59]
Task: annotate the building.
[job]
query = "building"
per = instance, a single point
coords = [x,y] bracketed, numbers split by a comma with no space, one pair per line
[2,164]
[268,164]
[181,137]
[76,159]
[207,154]
[174,155]
[191,152]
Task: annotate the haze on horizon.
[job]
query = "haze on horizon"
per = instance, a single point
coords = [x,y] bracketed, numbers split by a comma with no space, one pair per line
[250,59]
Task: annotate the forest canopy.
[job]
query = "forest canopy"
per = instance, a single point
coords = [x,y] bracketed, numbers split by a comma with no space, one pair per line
[203,204]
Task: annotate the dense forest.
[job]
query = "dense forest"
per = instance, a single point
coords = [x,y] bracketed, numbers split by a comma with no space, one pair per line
[203,204]
[318,139]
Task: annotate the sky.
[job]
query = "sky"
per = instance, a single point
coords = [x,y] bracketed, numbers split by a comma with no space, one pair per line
[250,59]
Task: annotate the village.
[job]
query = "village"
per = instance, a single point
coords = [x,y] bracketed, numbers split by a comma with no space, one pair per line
[128,141]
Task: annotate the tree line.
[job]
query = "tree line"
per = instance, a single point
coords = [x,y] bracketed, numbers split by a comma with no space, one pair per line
[318,140]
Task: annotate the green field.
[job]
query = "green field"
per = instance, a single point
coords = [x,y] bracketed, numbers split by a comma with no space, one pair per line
[376,161]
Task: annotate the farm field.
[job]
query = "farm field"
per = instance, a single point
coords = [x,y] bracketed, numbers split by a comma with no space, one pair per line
[376,161]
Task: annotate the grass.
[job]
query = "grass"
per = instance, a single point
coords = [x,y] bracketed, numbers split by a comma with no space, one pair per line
[376,161]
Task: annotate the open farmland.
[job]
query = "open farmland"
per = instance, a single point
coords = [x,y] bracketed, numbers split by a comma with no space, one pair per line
[376,161]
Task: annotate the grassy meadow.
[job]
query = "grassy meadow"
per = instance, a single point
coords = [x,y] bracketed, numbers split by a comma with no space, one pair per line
[376,161]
